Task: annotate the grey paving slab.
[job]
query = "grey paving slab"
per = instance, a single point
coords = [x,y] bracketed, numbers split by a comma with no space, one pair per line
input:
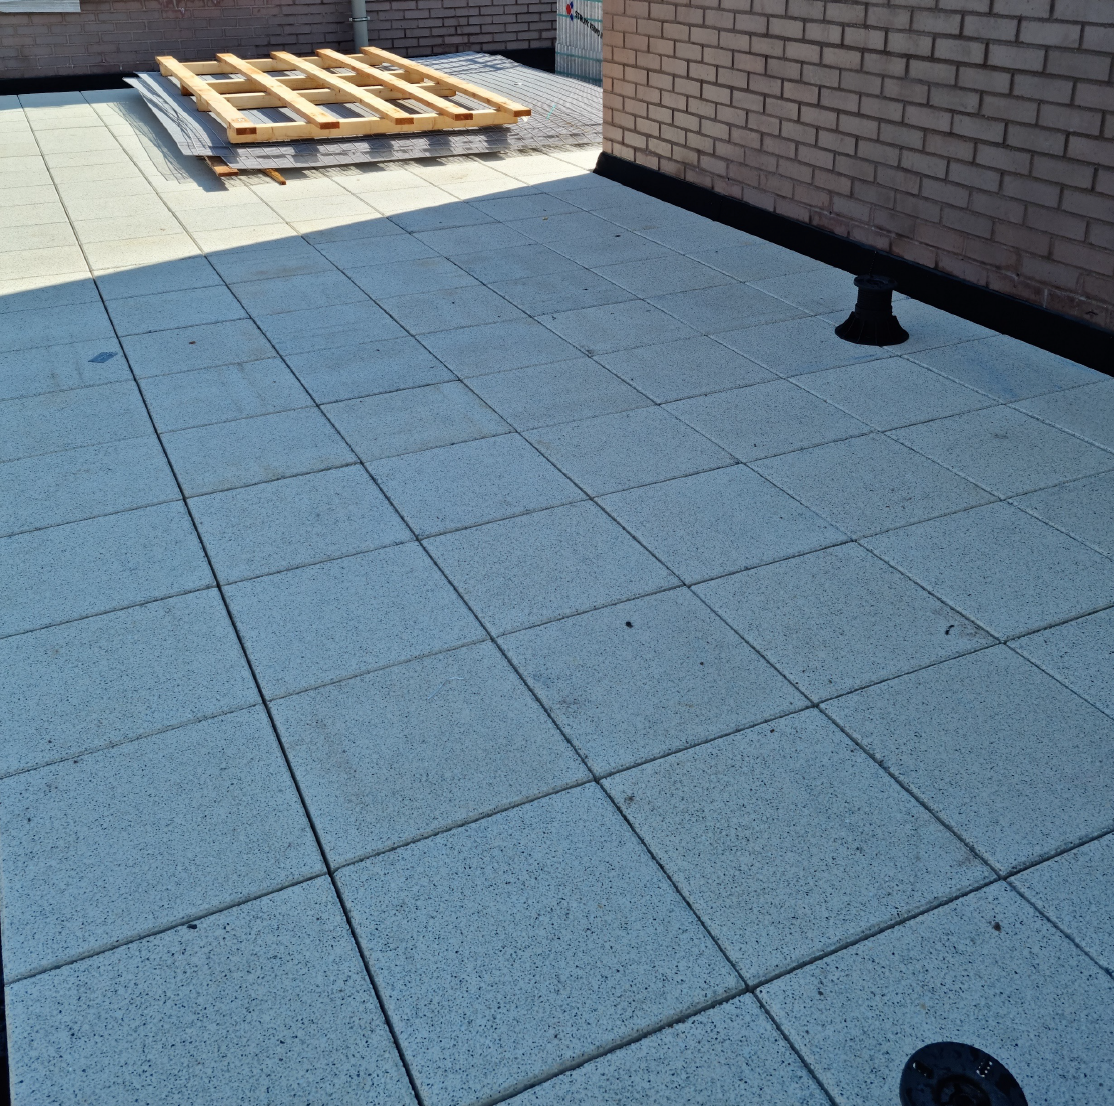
[689,367]
[148,280]
[611,327]
[612,452]
[766,419]
[315,625]
[172,310]
[645,678]
[971,738]
[929,327]
[423,274]
[839,619]
[197,347]
[296,521]
[661,275]
[48,326]
[1086,411]
[27,294]
[200,397]
[461,241]
[408,421]
[725,308]
[789,842]
[1006,451]
[545,395]
[509,208]
[101,564]
[436,216]
[523,571]
[731,1053]
[475,350]
[289,257]
[514,263]
[558,932]
[1083,508]
[248,451]
[756,260]
[87,684]
[450,308]
[343,324]
[1074,891]
[349,250]
[1078,654]
[1002,979]
[195,1014]
[1005,368]
[552,292]
[869,484]
[892,392]
[798,346]
[34,425]
[718,522]
[471,482]
[322,291]
[418,748]
[133,839]
[1006,570]
[82,483]
[817,291]
[589,240]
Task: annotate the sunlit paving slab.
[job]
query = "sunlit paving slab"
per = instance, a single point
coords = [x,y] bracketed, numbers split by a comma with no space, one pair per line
[470,632]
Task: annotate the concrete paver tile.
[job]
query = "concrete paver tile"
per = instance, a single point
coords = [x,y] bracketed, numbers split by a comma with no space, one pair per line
[530,205]
[450,308]
[468,483]
[276,295]
[1078,654]
[1074,891]
[839,619]
[91,683]
[645,678]
[766,419]
[315,625]
[821,291]
[563,291]
[169,276]
[196,347]
[197,397]
[343,324]
[474,350]
[559,933]
[428,210]
[248,451]
[1083,508]
[195,1014]
[82,483]
[546,565]
[868,484]
[35,236]
[211,218]
[1005,569]
[352,372]
[611,327]
[892,392]
[462,240]
[59,368]
[383,247]
[1001,978]
[235,238]
[18,293]
[296,521]
[289,257]
[301,206]
[153,222]
[423,274]
[790,842]
[679,370]
[797,346]
[727,307]
[1086,411]
[1005,368]
[970,738]
[660,276]
[53,261]
[101,564]
[718,522]
[173,310]
[29,215]
[731,1053]
[756,260]
[1005,451]
[514,263]
[117,252]
[418,748]
[53,421]
[930,328]
[135,838]
[48,326]
[624,450]
[591,245]
[544,395]
[414,419]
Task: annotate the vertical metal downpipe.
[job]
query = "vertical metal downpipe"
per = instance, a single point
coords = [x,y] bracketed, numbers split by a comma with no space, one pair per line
[359,23]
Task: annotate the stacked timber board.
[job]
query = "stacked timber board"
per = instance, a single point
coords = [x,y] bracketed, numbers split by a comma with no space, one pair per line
[334,95]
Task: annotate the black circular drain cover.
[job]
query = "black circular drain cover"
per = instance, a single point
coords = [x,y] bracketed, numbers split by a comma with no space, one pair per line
[950,1074]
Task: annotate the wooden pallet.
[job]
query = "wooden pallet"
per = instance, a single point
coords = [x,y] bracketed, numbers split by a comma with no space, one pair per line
[381,93]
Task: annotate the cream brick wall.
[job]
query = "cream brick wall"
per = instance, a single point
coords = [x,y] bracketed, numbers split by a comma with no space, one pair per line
[972,136]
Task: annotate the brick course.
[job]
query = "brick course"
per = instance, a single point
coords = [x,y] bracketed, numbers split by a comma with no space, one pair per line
[972,136]
[120,36]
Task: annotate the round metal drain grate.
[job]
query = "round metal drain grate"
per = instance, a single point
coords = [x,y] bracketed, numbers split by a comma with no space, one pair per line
[951,1074]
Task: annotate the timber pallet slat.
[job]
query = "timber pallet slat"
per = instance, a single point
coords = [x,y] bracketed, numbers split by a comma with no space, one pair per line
[384,91]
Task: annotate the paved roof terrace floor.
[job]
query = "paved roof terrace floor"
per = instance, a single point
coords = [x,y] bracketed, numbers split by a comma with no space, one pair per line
[469,630]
